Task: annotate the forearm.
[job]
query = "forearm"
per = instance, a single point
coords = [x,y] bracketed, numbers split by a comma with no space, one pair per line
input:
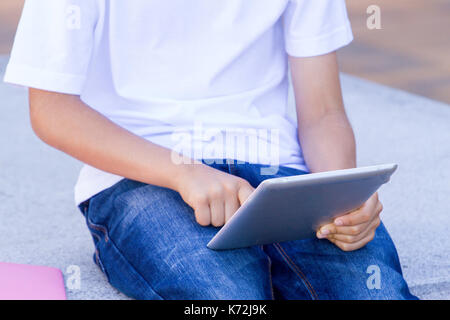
[328,143]
[66,123]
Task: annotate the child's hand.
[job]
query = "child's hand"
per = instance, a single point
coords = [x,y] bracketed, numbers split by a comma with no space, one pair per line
[214,195]
[355,229]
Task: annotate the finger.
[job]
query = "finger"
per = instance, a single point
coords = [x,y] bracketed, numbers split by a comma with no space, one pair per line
[365,214]
[203,214]
[359,216]
[231,206]
[217,207]
[352,238]
[244,192]
[370,208]
[331,229]
[354,246]
[326,230]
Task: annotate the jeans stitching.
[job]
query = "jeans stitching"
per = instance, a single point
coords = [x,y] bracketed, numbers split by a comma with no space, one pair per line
[93,225]
[295,266]
[96,235]
[85,208]
[97,260]
[100,263]
[269,263]
[99,228]
[297,270]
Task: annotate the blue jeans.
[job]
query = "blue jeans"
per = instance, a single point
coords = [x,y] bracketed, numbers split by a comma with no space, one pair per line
[149,246]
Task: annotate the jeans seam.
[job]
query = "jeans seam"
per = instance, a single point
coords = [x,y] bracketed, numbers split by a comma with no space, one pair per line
[99,263]
[96,236]
[90,224]
[95,226]
[269,263]
[297,271]
[99,228]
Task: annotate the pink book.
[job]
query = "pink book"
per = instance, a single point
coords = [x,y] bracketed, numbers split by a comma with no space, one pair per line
[25,282]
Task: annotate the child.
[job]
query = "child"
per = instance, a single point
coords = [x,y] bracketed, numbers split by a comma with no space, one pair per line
[179,109]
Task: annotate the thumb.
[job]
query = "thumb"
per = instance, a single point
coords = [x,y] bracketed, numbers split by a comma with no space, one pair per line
[244,192]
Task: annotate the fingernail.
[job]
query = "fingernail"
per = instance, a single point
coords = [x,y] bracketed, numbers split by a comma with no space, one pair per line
[324,232]
[339,222]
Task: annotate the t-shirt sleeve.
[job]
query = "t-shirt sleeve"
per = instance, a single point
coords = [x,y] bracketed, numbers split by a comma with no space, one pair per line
[53,45]
[316,27]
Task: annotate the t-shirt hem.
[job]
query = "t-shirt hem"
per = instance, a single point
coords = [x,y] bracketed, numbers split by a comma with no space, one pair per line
[315,46]
[44,79]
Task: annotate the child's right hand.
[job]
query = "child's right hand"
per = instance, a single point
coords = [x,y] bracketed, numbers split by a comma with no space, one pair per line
[214,195]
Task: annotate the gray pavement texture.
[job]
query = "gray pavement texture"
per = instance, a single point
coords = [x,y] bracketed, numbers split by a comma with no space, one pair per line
[40,225]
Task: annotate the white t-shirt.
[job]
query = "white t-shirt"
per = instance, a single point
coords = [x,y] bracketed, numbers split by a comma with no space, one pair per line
[186,75]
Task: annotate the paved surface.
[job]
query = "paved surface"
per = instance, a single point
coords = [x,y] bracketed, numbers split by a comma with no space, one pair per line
[40,225]
[409,52]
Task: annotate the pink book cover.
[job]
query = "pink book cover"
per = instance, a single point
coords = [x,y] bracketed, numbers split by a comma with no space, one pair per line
[26,282]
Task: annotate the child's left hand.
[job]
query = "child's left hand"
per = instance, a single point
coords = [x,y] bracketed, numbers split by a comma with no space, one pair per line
[355,229]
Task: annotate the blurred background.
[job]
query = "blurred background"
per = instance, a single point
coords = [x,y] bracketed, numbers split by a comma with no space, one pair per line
[410,52]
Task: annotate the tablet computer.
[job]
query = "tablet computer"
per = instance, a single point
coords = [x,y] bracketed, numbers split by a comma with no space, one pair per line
[294,207]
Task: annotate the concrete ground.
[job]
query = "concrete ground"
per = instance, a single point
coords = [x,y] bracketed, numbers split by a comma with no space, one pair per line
[40,224]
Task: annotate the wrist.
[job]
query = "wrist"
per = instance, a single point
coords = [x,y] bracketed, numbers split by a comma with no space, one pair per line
[183,172]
